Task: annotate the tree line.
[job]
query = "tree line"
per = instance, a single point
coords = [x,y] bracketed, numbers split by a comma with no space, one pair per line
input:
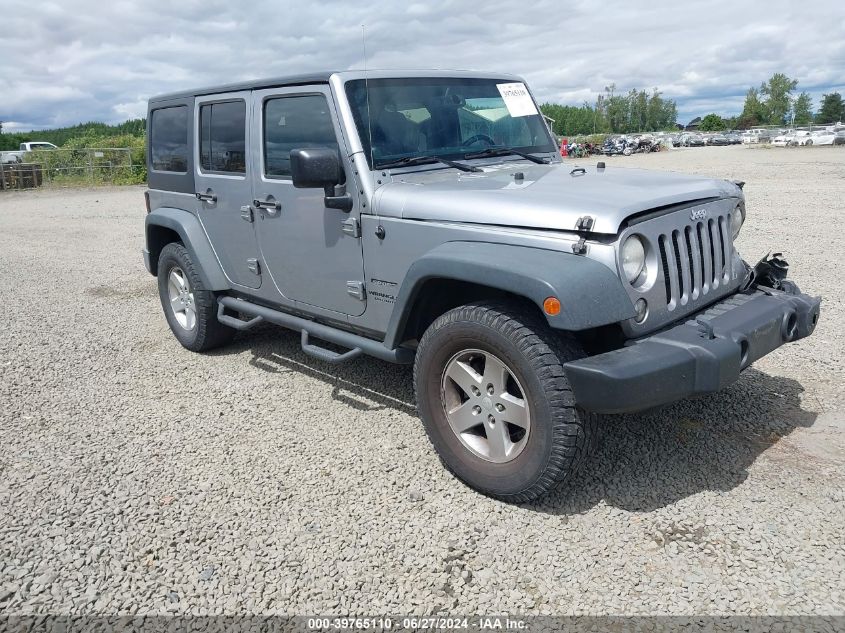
[774,102]
[613,112]
[60,136]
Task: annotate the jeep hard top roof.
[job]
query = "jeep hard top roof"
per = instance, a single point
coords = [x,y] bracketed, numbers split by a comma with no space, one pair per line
[323,78]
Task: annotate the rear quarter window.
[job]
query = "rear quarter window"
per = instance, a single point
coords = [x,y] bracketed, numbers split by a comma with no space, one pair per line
[169,139]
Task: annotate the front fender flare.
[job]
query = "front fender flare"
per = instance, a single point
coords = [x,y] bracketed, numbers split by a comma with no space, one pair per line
[590,293]
[192,235]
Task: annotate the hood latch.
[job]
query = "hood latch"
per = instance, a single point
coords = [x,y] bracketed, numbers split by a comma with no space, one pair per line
[584,223]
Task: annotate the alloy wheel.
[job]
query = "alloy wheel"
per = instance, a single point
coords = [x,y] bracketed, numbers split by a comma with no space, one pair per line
[181,298]
[485,405]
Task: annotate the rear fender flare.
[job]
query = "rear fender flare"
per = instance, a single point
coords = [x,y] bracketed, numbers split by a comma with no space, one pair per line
[193,237]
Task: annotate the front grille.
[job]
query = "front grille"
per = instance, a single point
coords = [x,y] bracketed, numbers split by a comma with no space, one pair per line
[696,259]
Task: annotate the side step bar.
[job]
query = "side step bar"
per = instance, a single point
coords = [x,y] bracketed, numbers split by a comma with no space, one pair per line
[356,344]
[234,323]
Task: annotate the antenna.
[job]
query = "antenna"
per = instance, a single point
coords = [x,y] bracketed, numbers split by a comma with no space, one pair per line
[367,93]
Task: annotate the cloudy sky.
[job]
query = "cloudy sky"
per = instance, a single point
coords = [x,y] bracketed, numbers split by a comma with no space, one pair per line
[80,60]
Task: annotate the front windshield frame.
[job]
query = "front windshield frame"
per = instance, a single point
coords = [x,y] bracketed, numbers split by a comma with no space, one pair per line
[369,96]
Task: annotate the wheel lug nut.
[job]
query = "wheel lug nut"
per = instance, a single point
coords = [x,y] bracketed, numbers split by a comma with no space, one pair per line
[499,407]
[476,391]
[490,389]
[491,419]
[476,409]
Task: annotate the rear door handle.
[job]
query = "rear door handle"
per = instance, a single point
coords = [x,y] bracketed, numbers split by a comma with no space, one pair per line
[208,196]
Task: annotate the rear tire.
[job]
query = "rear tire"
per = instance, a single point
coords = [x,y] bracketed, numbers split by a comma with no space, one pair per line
[190,309]
[547,437]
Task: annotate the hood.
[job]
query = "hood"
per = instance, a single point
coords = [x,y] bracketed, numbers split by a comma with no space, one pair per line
[546,197]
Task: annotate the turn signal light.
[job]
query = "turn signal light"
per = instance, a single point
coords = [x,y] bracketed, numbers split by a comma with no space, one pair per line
[551,306]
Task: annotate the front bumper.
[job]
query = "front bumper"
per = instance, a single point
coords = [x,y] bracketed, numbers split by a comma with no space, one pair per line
[701,355]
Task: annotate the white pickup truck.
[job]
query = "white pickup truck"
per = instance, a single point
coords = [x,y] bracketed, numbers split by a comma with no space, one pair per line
[17,157]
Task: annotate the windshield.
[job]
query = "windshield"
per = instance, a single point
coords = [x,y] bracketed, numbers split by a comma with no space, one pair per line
[444,117]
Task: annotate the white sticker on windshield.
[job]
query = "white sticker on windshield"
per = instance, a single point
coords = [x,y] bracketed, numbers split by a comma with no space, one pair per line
[517,99]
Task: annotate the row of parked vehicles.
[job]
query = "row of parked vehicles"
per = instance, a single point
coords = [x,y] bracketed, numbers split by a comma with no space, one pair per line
[626,145]
[692,139]
[830,135]
[618,145]
[795,138]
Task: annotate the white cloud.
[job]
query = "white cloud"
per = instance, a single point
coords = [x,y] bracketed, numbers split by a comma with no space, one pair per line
[80,60]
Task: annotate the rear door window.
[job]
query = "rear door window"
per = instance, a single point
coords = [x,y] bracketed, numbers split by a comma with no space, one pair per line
[223,137]
[169,139]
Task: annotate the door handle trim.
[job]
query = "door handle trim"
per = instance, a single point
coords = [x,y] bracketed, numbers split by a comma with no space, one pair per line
[206,197]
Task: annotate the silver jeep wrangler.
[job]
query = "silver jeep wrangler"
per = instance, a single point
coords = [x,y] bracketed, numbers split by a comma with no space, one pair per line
[426,218]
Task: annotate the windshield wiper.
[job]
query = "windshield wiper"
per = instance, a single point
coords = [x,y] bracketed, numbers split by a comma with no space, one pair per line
[505,151]
[410,161]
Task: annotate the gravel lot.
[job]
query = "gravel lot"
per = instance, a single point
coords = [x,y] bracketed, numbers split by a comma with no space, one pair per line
[138,477]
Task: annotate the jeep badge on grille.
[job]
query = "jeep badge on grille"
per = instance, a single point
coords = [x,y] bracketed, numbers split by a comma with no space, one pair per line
[698,214]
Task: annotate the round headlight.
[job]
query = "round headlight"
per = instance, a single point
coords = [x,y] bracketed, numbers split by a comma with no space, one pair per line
[737,218]
[633,258]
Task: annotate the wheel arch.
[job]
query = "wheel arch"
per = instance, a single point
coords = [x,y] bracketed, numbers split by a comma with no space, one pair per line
[457,273]
[166,225]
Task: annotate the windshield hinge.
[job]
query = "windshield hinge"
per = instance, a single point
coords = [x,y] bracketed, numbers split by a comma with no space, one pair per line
[356,289]
[580,247]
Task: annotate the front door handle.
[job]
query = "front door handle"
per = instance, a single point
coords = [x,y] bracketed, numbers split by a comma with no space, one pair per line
[208,196]
[270,206]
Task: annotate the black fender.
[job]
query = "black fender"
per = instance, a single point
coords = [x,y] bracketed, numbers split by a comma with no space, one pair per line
[192,236]
[591,294]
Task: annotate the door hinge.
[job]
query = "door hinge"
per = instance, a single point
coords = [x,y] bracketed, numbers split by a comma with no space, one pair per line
[351,227]
[356,289]
[253,265]
[246,213]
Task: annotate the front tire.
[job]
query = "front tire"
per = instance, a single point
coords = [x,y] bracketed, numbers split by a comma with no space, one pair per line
[190,309]
[496,404]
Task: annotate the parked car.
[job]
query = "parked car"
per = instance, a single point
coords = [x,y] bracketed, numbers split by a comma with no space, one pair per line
[426,217]
[800,137]
[734,138]
[693,140]
[20,155]
[823,137]
[718,139]
[757,135]
[783,140]
[839,138]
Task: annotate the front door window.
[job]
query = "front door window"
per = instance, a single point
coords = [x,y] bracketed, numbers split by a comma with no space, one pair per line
[294,123]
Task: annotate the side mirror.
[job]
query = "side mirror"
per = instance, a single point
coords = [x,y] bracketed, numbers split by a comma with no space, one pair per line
[315,167]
